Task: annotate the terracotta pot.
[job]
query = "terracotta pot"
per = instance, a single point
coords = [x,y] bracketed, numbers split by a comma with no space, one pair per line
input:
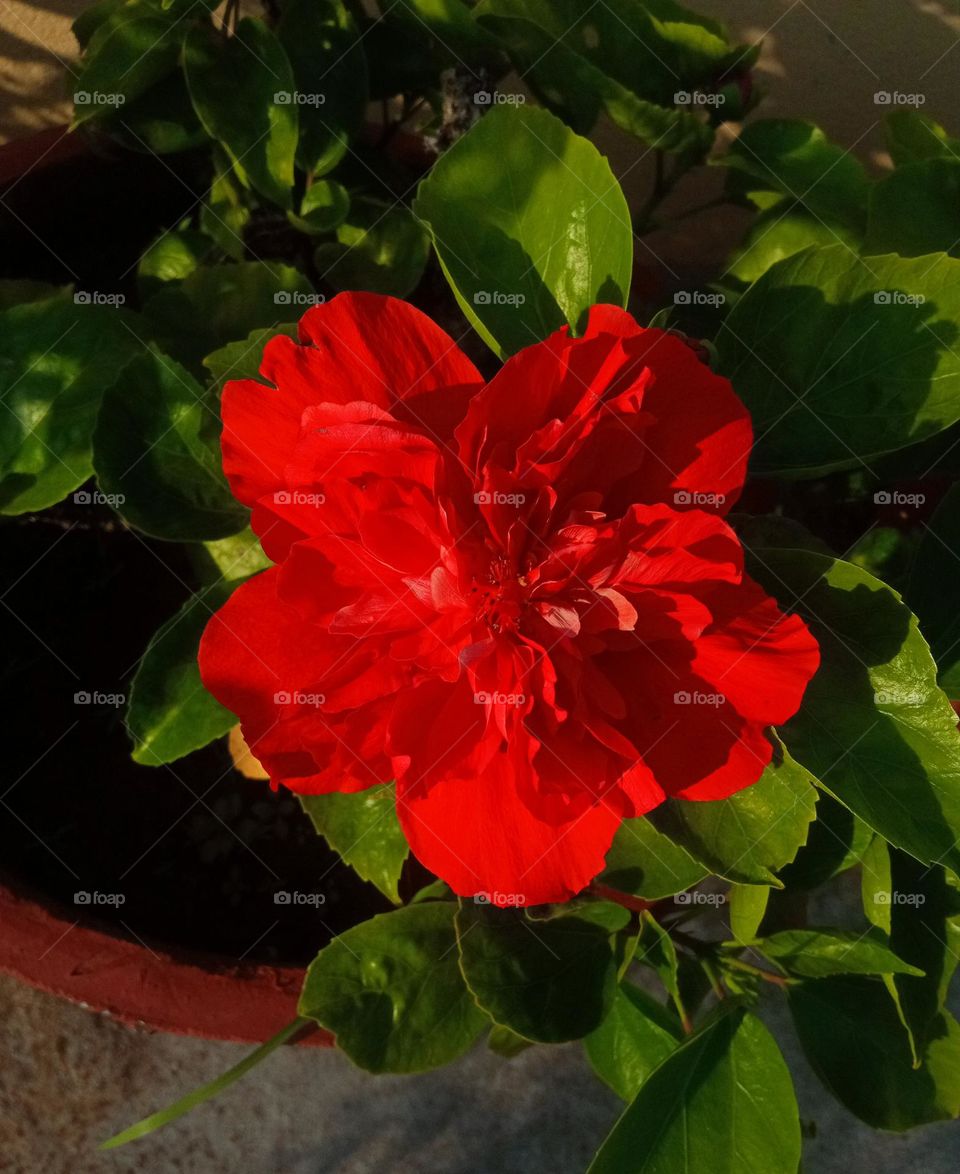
[64,951]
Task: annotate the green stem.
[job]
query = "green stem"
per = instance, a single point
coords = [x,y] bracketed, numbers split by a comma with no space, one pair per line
[766,975]
[207,1091]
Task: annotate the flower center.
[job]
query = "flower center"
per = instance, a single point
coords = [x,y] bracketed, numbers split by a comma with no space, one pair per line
[503,596]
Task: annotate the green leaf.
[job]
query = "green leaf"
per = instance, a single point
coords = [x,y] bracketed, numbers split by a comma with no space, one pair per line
[156,448]
[237,86]
[875,884]
[645,862]
[874,728]
[751,835]
[797,159]
[817,953]
[530,226]
[655,948]
[911,138]
[133,48]
[722,1102]
[172,256]
[505,1042]
[837,841]
[391,991]
[548,981]
[230,559]
[324,207]
[226,212]
[330,69]
[218,304]
[379,247]
[453,26]
[841,359]
[577,87]
[205,1092]
[161,121]
[747,905]
[632,1041]
[56,356]
[933,585]
[924,931]
[854,1040]
[241,359]
[364,830]
[783,231]
[170,712]
[915,210]
[18,292]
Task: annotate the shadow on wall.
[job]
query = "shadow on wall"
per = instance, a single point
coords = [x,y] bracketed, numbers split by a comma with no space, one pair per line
[36,45]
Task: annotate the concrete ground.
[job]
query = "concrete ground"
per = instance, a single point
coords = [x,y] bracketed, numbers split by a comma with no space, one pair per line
[69,1079]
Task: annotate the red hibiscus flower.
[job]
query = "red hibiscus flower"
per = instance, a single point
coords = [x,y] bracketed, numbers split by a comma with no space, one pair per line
[519,599]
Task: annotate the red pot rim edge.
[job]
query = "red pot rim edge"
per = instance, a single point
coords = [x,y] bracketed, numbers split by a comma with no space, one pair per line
[187,993]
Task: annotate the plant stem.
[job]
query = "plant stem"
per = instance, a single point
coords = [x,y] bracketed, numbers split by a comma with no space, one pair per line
[767,975]
[627,900]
